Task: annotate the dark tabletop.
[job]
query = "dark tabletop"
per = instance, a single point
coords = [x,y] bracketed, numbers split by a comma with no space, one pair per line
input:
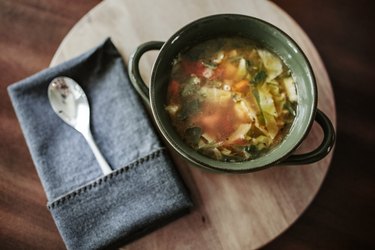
[342,216]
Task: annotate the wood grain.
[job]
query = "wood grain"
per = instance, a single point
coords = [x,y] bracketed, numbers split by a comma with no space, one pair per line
[341,216]
[232,211]
[30,32]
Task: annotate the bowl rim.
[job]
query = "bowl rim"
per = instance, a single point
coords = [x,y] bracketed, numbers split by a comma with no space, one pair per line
[203,161]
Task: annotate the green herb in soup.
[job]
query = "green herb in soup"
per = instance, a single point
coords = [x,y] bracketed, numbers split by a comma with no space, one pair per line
[230,99]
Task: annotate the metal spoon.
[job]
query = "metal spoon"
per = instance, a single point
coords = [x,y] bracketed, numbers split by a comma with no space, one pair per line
[70,103]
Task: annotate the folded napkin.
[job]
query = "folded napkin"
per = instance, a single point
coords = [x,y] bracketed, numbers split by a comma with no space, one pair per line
[93,211]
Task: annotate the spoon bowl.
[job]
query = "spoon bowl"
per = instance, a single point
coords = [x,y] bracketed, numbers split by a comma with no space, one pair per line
[70,103]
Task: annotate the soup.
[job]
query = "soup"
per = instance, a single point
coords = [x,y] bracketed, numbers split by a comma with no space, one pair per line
[231,99]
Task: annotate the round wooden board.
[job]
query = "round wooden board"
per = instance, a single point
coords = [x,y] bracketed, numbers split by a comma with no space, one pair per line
[231,211]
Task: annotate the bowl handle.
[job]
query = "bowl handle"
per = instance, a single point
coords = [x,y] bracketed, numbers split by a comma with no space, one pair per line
[133,68]
[322,150]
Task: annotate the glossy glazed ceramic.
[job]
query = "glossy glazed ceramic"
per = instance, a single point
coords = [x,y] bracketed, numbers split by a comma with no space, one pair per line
[268,36]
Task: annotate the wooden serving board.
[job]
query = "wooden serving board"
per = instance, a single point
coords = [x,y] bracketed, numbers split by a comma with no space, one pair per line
[232,211]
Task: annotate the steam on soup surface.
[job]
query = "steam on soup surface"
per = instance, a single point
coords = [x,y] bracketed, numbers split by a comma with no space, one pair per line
[230,99]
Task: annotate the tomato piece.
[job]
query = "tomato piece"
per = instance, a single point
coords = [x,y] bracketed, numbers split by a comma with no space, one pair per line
[218,73]
[193,67]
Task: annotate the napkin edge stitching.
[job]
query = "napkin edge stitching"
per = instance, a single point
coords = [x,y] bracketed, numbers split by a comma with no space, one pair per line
[104,179]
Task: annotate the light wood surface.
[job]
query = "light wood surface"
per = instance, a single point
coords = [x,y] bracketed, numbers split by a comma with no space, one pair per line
[232,211]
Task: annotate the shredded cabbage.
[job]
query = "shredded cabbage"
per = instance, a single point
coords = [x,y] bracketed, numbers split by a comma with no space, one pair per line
[272,64]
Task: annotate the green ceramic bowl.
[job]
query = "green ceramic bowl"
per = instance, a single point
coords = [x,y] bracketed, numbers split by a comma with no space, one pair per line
[270,37]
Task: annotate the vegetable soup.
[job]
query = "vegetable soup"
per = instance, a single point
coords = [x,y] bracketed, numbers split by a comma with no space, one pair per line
[231,99]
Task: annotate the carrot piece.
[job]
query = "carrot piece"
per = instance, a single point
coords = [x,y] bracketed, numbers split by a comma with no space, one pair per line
[229,70]
[241,86]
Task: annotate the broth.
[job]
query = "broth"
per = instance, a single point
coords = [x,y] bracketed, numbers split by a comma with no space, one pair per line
[231,99]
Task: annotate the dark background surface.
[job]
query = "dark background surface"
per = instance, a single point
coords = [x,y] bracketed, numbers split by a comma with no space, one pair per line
[342,216]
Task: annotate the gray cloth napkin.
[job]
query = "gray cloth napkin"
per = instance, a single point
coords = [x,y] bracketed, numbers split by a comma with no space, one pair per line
[93,211]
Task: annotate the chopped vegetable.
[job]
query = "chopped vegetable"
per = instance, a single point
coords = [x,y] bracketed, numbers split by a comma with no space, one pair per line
[193,135]
[245,110]
[208,138]
[239,133]
[271,125]
[242,69]
[290,89]
[230,99]
[215,95]
[272,64]
[241,86]
[230,70]
[172,109]
[266,101]
[259,77]
[218,57]
[188,109]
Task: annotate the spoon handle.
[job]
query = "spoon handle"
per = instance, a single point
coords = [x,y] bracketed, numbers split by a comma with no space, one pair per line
[106,169]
